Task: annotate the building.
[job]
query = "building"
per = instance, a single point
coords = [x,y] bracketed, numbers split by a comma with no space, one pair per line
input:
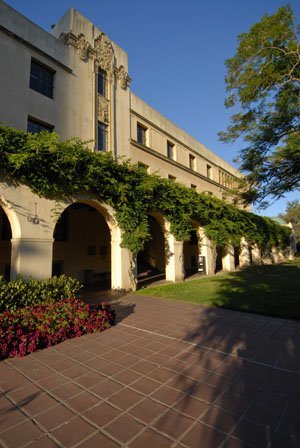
[75,81]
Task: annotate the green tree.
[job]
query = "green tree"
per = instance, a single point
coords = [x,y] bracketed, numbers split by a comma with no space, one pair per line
[263,85]
[292,214]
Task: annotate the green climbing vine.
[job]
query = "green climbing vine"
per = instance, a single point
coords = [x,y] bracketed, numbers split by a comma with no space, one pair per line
[58,169]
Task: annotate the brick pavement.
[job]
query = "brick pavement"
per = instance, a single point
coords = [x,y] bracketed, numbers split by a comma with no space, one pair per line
[169,374]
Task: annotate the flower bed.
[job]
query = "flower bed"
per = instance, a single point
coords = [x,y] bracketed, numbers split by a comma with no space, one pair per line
[36,327]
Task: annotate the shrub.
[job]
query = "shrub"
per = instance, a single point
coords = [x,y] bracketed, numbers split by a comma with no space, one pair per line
[37,327]
[25,292]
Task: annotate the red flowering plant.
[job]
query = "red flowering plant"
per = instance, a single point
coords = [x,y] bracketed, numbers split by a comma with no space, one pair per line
[39,326]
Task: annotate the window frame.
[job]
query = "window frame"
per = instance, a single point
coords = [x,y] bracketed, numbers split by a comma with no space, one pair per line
[192,162]
[102,130]
[102,75]
[42,124]
[208,171]
[170,150]
[143,166]
[143,132]
[41,83]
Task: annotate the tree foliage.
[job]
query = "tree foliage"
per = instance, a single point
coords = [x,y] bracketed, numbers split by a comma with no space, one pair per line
[59,170]
[263,84]
[292,214]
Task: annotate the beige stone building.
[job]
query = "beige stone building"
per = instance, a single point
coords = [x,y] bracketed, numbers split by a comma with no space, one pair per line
[75,81]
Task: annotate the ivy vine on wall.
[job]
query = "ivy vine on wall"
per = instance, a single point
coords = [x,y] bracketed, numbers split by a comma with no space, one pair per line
[58,169]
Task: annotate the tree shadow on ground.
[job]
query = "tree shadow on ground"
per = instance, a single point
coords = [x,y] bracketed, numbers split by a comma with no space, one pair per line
[244,367]
[270,290]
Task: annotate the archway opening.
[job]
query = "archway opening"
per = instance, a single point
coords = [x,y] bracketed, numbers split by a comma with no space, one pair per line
[151,261]
[220,252]
[5,245]
[191,252]
[237,251]
[82,246]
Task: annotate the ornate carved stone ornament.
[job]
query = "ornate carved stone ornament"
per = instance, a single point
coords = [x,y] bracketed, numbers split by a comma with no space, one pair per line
[104,54]
[123,77]
[83,47]
[103,109]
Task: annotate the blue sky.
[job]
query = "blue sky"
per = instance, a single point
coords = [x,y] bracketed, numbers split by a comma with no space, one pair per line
[176,54]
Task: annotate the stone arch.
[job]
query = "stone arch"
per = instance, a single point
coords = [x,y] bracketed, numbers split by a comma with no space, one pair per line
[151,261]
[82,242]
[192,251]
[12,218]
[9,228]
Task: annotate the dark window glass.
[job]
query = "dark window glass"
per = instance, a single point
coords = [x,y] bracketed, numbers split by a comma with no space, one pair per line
[102,137]
[41,79]
[170,151]
[102,83]
[141,134]
[35,126]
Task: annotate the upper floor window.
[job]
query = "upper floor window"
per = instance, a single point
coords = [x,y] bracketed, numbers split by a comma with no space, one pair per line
[141,134]
[193,187]
[209,171]
[36,126]
[102,83]
[170,151]
[143,166]
[172,178]
[41,79]
[102,143]
[192,162]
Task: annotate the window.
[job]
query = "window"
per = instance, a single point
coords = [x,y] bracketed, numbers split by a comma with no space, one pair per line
[193,187]
[208,171]
[102,144]
[102,83]
[192,162]
[141,134]
[36,126]
[172,178]
[170,151]
[143,166]
[41,79]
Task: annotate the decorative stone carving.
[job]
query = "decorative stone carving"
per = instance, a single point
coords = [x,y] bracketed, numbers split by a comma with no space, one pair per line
[123,77]
[103,109]
[68,39]
[83,47]
[104,54]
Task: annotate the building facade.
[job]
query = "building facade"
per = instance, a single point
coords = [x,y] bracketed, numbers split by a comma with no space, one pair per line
[75,81]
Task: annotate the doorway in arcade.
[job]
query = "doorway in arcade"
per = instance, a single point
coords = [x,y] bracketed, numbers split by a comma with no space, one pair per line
[82,246]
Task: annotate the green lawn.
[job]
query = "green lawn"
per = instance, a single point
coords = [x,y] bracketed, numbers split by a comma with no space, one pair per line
[272,290]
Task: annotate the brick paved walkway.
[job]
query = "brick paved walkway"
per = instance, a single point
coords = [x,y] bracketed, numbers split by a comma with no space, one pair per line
[169,374]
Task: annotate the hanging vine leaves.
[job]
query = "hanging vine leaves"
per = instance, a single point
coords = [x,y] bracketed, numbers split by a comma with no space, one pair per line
[57,170]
